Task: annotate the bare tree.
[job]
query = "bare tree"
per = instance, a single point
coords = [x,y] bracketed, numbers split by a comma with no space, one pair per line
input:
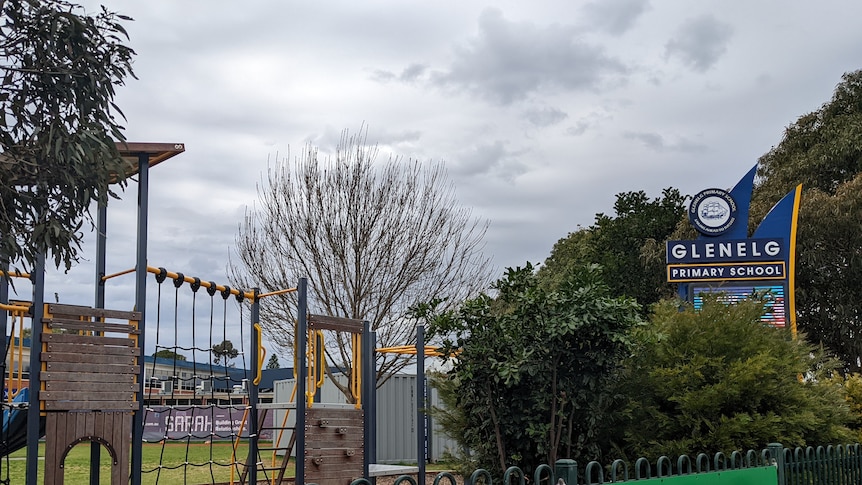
[372,239]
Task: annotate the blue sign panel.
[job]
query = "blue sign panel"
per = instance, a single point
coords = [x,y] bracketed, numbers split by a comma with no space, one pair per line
[706,251]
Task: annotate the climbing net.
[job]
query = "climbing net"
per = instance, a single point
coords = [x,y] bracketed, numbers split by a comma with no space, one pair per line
[196,389]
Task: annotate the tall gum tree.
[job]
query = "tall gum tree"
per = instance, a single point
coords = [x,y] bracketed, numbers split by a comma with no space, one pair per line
[59,68]
[373,239]
[822,150]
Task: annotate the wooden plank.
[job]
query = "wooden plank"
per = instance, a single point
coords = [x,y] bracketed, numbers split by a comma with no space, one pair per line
[55,428]
[333,413]
[80,377]
[94,348]
[84,311]
[334,442]
[332,468]
[91,326]
[339,324]
[108,395]
[88,358]
[90,406]
[121,442]
[337,454]
[67,338]
[94,368]
[325,423]
[90,386]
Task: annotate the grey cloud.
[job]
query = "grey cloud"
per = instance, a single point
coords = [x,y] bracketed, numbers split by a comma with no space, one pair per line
[508,61]
[699,42]
[492,159]
[578,128]
[383,76]
[656,142]
[546,116]
[412,73]
[614,16]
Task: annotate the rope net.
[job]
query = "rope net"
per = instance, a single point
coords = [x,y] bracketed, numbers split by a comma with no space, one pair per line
[196,402]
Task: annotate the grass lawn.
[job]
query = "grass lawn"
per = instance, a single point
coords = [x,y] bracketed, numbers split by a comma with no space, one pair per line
[173,457]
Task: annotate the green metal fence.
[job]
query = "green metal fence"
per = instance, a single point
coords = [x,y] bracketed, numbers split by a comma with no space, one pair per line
[822,465]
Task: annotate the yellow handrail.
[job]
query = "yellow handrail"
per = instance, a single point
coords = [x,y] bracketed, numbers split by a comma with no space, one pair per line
[261,353]
[356,371]
[15,308]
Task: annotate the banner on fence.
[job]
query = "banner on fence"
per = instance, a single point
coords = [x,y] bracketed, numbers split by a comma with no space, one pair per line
[203,423]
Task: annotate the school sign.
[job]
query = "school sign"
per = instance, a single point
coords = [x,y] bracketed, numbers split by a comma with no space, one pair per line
[724,259]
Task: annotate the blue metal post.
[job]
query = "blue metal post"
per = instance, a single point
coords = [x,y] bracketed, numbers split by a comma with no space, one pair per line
[253,427]
[101,240]
[4,298]
[300,336]
[421,432]
[141,306]
[33,432]
[368,391]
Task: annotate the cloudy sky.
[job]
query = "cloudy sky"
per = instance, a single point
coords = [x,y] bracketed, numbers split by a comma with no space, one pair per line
[541,110]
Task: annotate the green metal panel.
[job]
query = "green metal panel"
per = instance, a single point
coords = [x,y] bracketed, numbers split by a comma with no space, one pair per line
[767,475]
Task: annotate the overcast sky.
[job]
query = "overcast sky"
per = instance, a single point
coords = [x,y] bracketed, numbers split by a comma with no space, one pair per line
[541,110]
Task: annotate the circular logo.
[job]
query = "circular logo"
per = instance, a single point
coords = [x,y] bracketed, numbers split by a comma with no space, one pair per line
[712,212]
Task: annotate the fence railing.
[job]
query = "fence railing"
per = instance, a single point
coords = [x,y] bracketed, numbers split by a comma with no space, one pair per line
[821,465]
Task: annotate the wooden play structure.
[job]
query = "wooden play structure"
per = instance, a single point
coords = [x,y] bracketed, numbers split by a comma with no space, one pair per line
[87,381]
[88,384]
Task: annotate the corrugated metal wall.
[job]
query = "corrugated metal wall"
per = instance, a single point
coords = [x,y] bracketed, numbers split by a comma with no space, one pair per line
[396,418]
[396,423]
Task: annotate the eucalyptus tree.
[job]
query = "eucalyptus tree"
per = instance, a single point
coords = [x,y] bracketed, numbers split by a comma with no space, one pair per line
[58,126]
[373,239]
[822,150]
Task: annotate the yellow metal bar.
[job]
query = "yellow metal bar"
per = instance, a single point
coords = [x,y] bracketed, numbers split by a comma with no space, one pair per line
[120,273]
[356,371]
[261,353]
[205,284]
[15,274]
[14,308]
[321,361]
[277,292]
[311,360]
[411,350]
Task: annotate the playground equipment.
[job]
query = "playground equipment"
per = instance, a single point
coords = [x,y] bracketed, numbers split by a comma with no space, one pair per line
[112,417]
[88,380]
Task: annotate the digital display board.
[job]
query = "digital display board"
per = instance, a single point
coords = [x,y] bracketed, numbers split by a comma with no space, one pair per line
[775,302]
